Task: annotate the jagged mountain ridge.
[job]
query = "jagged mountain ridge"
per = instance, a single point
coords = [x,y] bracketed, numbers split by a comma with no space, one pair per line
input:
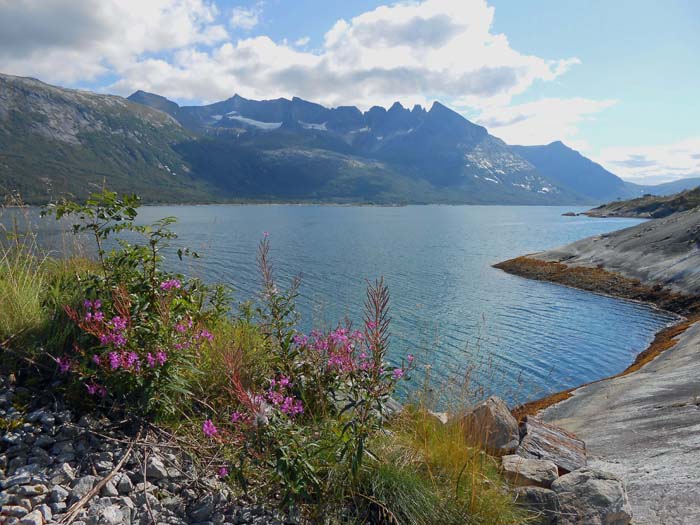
[56,141]
[438,146]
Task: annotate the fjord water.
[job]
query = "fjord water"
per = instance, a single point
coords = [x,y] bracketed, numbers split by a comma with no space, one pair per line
[449,307]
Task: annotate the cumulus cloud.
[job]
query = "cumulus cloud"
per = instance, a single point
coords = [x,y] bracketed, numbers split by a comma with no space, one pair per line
[246,18]
[72,42]
[654,164]
[542,121]
[414,52]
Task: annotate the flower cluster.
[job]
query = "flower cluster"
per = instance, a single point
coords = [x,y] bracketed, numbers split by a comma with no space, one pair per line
[346,351]
[278,396]
[170,284]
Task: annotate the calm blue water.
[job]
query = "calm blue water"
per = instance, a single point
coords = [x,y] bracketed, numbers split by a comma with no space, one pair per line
[449,306]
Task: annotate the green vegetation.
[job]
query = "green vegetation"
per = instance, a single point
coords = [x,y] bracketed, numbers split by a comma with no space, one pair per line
[649,206]
[303,420]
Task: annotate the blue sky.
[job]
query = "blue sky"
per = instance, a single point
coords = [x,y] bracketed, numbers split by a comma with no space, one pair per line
[617,80]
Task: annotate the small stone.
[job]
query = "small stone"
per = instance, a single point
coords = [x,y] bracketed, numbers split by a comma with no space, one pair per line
[33,518]
[18,479]
[31,490]
[523,472]
[155,468]
[125,486]
[63,473]
[45,511]
[113,515]
[203,508]
[58,507]
[109,490]
[15,511]
[80,487]
[44,441]
[58,494]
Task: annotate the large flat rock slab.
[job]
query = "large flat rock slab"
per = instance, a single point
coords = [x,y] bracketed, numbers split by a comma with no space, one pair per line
[645,428]
[550,443]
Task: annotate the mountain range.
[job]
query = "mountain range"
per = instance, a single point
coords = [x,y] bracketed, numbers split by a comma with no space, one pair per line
[56,141]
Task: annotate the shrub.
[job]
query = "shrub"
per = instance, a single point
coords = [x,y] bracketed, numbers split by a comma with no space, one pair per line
[140,328]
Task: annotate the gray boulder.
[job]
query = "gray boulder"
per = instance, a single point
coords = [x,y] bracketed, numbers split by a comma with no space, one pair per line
[528,472]
[544,503]
[592,497]
[491,425]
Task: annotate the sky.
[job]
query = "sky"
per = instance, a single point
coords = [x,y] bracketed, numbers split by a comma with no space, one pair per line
[617,80]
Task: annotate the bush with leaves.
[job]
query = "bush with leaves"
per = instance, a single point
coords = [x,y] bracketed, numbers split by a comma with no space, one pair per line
[140,328]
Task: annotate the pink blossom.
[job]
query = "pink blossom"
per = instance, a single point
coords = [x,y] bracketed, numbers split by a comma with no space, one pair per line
[170,284]
[398,373]
[150,360]
[223,472]
[161,357]
[236,417]
[410,358]
[114,361]
[96,359]
[205,334]
[266,235]
[208,428]
[64,364]
[93,388]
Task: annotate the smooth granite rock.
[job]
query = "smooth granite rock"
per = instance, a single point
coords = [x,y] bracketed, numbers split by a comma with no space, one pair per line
[592,497]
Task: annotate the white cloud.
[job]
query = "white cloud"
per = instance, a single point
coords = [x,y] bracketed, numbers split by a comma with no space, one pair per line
[413,52]
[301,42]
[68,41]
[246,18]
[542,121]
[654,164]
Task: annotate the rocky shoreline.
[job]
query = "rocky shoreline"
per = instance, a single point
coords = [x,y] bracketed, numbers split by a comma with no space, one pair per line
[640,424]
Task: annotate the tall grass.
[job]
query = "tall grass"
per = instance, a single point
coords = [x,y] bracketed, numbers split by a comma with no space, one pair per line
[22,282]
[428,472]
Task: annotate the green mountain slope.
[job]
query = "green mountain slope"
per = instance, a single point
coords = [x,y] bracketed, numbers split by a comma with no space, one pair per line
[56,142]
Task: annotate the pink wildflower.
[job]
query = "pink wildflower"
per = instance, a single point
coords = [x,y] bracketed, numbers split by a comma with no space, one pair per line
[208,428]
[96,359]
[410,358]
[150,360]
[63,364]
[398,373]
[236,417]
[161,357]
[223,472]
[114,361]
[170,284]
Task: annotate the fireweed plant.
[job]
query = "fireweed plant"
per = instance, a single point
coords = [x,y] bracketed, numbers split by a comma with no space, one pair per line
[327,396]
[139,329]
[143,338]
